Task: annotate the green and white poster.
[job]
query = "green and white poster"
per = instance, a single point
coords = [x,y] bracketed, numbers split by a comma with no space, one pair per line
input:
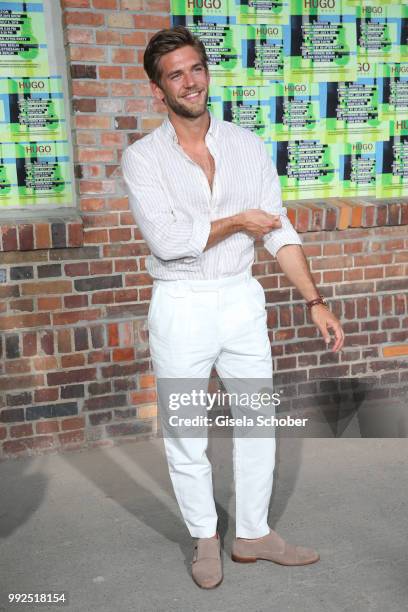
[357,170]
[31,109]
[349,112]
[249,107]
[23,47]
[307,168]
[392,167]
[320,43]
[269,12]
[295,111]
[35,173]
[378,35]
[393,91]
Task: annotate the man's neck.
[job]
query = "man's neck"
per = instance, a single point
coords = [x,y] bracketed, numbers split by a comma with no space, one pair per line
[190,131]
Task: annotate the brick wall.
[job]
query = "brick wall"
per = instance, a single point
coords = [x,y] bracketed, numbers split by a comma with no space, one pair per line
[75,366]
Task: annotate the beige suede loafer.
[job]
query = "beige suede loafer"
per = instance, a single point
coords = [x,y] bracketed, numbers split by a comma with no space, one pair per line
[206,567]
[272,548]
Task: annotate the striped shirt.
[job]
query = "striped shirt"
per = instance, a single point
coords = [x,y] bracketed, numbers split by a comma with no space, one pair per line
[173,204]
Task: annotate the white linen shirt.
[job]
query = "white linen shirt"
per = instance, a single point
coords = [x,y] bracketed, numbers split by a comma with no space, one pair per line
[173,205]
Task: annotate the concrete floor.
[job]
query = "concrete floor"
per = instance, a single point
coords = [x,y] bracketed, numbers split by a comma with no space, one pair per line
[102,525]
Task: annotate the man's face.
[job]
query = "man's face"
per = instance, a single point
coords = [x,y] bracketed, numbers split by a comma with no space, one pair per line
[184,83]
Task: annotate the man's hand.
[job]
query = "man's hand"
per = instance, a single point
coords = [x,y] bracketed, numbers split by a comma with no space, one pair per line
[258,223]
[326,320]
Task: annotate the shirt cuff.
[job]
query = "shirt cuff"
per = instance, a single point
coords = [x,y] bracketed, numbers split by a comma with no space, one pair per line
[199,236]
[278,238]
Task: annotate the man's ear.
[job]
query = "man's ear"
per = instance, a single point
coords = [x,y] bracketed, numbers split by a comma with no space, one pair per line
[157,91]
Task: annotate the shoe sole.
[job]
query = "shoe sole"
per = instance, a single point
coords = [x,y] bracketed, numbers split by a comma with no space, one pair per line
[208,588]
[238,559]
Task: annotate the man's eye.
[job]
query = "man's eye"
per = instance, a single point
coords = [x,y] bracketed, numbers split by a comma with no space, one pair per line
[174,77]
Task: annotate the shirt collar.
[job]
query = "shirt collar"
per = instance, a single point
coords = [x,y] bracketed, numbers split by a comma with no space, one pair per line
[170,132]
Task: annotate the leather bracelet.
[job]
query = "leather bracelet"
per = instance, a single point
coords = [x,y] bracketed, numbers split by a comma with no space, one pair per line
[319,300]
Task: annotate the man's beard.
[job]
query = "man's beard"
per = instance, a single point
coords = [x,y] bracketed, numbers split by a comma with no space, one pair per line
[183,111]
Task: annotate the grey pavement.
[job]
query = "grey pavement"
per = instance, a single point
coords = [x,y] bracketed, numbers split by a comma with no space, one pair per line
[102,525]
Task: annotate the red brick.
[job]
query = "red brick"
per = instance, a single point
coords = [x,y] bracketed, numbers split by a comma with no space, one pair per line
[48,287]
[73,423]
[9,237]
[151,22]
[44,427]
[134,72]
[89,89]
[25,320]
[72,438]
[105,4]
[143,397]
[123,89]
[134,39]
[23,305]
[42,233]
[108,37]
[87,54]
[101,267]
[22,382]
[18,366]
[47,394]
[123,354]
[123,56]
[75,3]
[43,364]
[49,303]
[332,249]
[91,122]
[110,72]
[26,237]
[84,18]
[96,155]
[96,236]
[147,381]
[113,334]
[75,316]
[21,431]
[103,297]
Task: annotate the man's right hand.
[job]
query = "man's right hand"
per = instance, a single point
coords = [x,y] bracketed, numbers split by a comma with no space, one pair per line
[258,223]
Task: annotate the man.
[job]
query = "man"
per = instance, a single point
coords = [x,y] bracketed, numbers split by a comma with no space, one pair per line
[201,191]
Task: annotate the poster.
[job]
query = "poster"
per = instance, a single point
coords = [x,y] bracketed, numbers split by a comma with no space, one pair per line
[35,173]
[269,12]
[357,169]
[393,91]
[295,111]
[378,35]
[320,43]
[307,168]
[392,167]
[249,107]
[31,109]
[349,112]
[23,48]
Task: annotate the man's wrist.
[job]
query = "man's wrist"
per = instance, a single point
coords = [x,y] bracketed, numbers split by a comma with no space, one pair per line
[238,222]
[320,300]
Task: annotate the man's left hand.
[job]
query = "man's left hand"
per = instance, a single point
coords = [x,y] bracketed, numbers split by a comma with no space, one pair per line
[325,321]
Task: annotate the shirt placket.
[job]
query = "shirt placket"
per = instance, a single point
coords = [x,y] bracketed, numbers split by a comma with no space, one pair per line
[210,195]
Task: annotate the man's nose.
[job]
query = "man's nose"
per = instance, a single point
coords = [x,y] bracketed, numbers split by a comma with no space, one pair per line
[189,80]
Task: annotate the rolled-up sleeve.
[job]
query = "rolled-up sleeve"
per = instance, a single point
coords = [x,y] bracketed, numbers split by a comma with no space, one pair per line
[271,202]
[170,234]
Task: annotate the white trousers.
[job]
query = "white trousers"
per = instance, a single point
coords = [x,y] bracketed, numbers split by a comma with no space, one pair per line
[194,325]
